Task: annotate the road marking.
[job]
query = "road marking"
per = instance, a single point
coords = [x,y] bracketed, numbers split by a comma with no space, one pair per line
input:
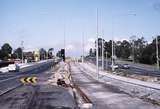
[29,80]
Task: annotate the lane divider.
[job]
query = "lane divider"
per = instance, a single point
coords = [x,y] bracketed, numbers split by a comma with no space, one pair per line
[29,80]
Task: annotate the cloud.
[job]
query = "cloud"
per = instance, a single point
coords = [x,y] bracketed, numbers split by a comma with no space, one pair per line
[91,40]
[120,39]
[70,47]
[90,44]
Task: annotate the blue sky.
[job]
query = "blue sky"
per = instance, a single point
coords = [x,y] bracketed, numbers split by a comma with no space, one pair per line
[41,23]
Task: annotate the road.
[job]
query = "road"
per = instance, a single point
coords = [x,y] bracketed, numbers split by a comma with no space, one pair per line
[42,95]
[45,94]
[24,70]
[106,96]
[134,68]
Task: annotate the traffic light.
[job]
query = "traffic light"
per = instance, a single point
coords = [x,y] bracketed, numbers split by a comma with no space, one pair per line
[63,54]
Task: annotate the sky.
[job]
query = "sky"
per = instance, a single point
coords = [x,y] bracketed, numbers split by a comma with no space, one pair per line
[45,23]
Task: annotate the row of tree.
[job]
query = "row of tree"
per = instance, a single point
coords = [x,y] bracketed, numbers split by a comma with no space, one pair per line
[6,52]
[138,50]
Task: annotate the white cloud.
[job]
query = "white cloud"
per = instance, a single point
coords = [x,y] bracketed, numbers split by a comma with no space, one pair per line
[91,40]
[90,44]
[70,47]
[120,39]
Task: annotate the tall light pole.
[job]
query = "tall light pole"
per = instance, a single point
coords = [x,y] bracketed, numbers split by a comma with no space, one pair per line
[133,44]
[83,48]
[113,55]
[64,41]
[112,43]
[102,51]
[22,49]
[97,60]
[106,61]
[157,52]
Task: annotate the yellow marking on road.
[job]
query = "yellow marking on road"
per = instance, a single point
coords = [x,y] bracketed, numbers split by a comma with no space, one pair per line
[29,80]
[23,80]
[34,80]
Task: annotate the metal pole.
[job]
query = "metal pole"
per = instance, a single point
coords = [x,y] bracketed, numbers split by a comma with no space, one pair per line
[102,51]
[22,49]
[64,41]
[133,52]
[157,52]
[83,47]
[112,43]
[106,61]
[97,69]
[133,44]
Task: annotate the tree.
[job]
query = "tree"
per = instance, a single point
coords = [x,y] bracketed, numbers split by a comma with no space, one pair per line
[50,55]
[6,51]
[108,48]
[149,53]
[91,52]
[99,46]
[139,46]
[18,53]
[2,55]
[43,54]
[118,49]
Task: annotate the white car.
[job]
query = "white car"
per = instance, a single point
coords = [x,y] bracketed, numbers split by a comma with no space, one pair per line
[13,67]
[114,66]
[126,66]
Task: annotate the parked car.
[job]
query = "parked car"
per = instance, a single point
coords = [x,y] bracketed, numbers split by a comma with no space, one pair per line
[13,67]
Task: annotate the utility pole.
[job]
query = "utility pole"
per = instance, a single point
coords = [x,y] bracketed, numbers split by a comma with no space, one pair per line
[64,42]
[97,60]
[106,61]
[82,47]
[133,44]
[22,49]
[133,53]
[112,43]
[102,51]
[113,49]
[157,52]
[112,55]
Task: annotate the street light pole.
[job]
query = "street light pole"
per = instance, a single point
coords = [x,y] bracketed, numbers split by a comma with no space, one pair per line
[112,43]
[133,44]
[157,52]
[83,47]
[97,60]
[112,55]
[64,41]
[102,51]
[113,50]
[22,49]
[106,61]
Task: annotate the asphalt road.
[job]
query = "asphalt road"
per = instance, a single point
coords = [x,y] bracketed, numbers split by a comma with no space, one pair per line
[134,69]
[42,95]
[26,70]
[106,96]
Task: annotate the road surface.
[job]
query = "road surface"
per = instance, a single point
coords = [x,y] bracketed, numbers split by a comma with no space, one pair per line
[134,68]
[44,94]
[106,96]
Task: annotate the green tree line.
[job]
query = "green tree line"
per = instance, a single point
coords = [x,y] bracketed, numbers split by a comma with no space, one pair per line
[138,49]
[7,52]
